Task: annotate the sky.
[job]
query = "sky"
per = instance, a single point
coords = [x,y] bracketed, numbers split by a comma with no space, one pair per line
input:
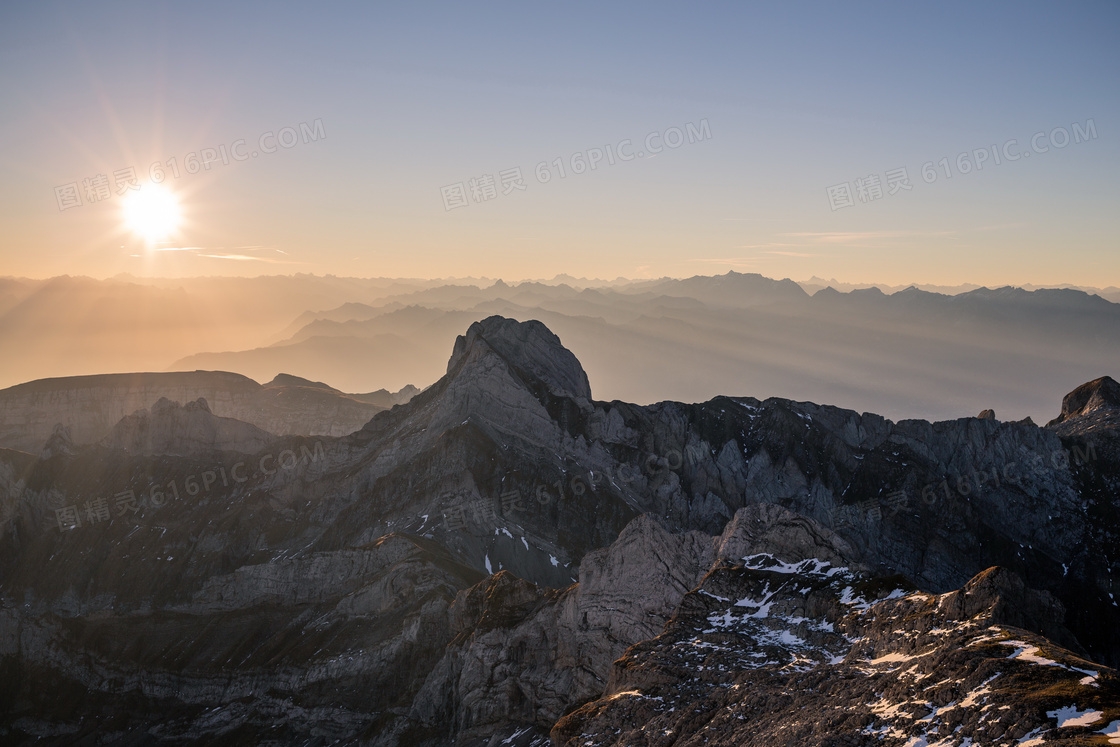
[867,142]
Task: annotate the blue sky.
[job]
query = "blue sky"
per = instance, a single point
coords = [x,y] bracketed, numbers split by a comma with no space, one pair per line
[798,98]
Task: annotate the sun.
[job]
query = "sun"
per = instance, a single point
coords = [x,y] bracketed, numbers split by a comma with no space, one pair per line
[152,212]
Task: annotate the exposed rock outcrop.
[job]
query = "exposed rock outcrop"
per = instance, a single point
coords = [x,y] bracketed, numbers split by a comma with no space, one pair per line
[532,350]
[523,655]
[1091,412]
[802,654]
[467,567]
[184,430]
[1099,394]
[61,443]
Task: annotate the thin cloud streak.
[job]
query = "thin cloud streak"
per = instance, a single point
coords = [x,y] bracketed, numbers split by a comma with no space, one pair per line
[847,237]
[246,258]
[792,254]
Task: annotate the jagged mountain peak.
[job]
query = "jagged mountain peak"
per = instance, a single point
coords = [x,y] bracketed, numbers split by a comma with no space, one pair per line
[60,442]
[1098,394]
[529,347]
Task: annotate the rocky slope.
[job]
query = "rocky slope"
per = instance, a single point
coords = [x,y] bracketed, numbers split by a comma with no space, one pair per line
[184,430]
[90,405]
[468,567]
[767,652]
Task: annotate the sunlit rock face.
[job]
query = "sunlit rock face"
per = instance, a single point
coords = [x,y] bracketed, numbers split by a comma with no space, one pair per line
[1099,395]
[531,350]
[503,556]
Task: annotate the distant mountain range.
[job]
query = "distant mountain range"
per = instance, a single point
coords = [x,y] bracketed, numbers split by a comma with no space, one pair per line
[814,284]
[912,353]
[506,559]
[89,406]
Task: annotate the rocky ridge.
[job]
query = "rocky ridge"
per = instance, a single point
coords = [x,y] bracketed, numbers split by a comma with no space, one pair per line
[90,405]
[470,565]
[182,430]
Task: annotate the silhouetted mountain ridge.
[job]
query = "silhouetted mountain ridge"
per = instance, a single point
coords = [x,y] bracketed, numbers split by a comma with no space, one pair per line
[910,354]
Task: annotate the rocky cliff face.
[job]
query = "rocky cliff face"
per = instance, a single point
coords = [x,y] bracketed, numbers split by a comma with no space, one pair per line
[505,558]
[1092,413]
[1097,396]
[90,405]
[184,430]
[532,352]
[523,654]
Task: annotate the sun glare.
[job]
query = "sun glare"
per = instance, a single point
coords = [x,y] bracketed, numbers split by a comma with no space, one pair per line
[152,212]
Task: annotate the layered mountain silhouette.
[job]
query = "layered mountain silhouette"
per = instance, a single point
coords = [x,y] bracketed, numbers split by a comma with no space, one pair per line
[928,353]
[504,559]
[89,406]
[912,353]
